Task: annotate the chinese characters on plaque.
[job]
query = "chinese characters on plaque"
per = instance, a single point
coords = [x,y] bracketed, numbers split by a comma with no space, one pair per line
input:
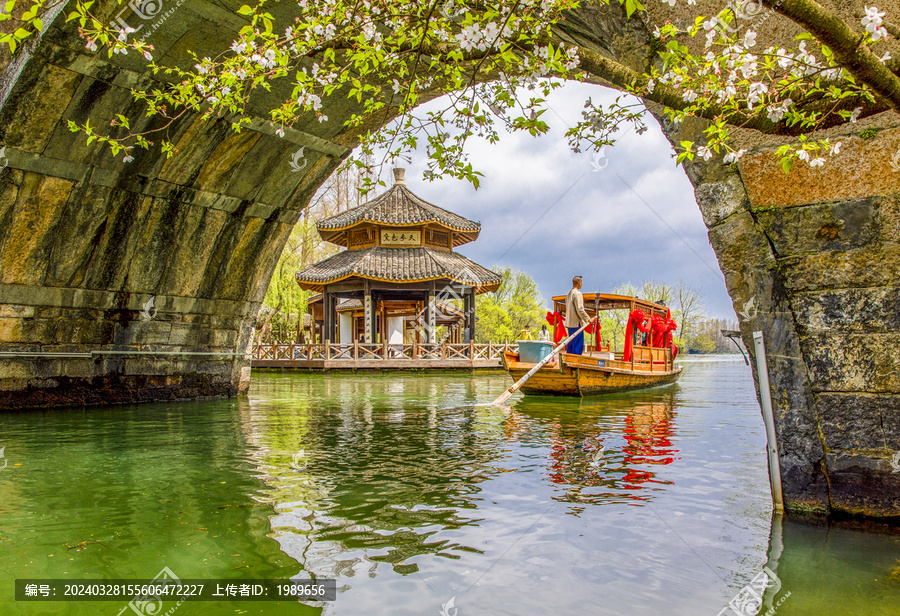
[401,237]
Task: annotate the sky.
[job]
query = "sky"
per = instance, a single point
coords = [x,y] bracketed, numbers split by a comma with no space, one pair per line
[546,211]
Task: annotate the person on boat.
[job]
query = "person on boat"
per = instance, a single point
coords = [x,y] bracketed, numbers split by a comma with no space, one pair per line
[526,334]
[576,317]
[544,334]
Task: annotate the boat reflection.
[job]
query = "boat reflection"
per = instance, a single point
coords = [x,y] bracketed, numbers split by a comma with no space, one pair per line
[605,450]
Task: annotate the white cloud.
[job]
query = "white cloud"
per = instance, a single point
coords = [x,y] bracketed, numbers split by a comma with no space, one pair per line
[600,229]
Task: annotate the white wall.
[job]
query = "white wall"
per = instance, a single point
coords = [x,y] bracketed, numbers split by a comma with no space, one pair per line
[345,335]
[395,330]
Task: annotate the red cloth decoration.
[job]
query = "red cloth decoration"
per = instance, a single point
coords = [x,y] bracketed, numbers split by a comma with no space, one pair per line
[671,326]
[556,320]
[658,325]
[635,319]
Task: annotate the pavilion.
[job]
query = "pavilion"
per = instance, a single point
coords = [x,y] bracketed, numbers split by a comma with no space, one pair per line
[399,272]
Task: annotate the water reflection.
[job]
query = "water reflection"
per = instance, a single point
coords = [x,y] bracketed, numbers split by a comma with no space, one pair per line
[411,490]
[381,475]
[395,470]
[605,450]
[841,569]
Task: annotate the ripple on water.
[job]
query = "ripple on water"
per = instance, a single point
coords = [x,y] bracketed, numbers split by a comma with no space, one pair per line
[412,490]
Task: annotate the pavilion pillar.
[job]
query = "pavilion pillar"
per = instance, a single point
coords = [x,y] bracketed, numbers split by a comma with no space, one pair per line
[327,317]
[469,307]
[431,314]
[369,314]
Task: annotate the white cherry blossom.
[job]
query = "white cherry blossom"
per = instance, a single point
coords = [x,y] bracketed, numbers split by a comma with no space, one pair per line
[733,157]
[873,19]
[749,39]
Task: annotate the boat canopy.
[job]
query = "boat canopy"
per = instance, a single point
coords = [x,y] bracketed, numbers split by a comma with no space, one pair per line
[608,301]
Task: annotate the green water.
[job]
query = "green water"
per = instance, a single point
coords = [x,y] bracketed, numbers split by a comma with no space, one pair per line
[411,491]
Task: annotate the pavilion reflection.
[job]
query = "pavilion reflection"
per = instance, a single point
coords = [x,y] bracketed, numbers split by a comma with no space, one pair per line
[383,472]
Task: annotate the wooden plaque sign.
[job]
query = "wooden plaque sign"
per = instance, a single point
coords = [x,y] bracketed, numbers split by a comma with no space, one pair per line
[401,237]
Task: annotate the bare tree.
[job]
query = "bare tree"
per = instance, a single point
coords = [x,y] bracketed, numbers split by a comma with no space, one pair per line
[688,309]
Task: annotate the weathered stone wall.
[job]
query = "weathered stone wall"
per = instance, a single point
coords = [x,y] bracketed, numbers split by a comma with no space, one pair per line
[810,259]
[86,240]
[815,256]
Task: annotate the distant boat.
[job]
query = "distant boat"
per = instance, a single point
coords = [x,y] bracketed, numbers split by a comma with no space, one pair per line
[647,359]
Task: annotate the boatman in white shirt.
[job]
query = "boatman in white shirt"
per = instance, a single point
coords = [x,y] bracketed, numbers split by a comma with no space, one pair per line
[576,317]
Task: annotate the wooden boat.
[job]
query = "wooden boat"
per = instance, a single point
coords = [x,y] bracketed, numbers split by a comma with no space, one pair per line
[641,364]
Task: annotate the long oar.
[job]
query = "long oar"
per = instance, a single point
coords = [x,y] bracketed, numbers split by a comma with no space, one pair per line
[515,387]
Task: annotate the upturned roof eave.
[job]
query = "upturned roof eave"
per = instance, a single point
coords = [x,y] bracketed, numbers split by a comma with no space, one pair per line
[319,286]
[431,210]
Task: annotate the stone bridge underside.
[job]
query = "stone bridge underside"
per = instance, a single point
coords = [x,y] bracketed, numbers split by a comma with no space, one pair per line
[809,258]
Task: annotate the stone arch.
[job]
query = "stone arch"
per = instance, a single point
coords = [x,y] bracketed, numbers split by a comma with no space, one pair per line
[87,241]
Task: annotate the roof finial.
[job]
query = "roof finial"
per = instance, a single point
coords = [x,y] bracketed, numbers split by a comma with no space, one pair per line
[399,175]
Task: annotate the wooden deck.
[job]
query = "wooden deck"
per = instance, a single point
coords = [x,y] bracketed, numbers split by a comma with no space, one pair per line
[361,356]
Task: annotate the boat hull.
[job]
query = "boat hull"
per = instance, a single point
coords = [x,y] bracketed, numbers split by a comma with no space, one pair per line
[575,378]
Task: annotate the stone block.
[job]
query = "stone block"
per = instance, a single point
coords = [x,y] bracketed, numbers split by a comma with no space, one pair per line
[187,262]
[863,485]
[871,266]
[218,171]
[224,339]
[122,237]
[820,228]
[78,234]
[11,384]
[16,369]
[91,333]
[719,200]
[30,238]
[149,366]
[861,310]
[853,362]
[856,422]
[143,332]
[862,169]
[35,117]
[39,331]
[188,335]
[11,330]
[80,368]
[12,311]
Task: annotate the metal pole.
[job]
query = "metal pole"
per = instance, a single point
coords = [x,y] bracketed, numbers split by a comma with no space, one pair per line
[765,398]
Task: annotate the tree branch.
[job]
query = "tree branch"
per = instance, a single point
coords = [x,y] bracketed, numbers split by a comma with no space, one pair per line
[834,32]
[621,77]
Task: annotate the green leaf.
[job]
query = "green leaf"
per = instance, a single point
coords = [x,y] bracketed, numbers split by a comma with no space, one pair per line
[245,10]
[631,6]
[786,163]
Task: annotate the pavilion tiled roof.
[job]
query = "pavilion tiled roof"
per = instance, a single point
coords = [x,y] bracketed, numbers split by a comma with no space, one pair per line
[399,265]
[398,206]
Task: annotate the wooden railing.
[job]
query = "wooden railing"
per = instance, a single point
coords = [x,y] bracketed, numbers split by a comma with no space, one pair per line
[356,351]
